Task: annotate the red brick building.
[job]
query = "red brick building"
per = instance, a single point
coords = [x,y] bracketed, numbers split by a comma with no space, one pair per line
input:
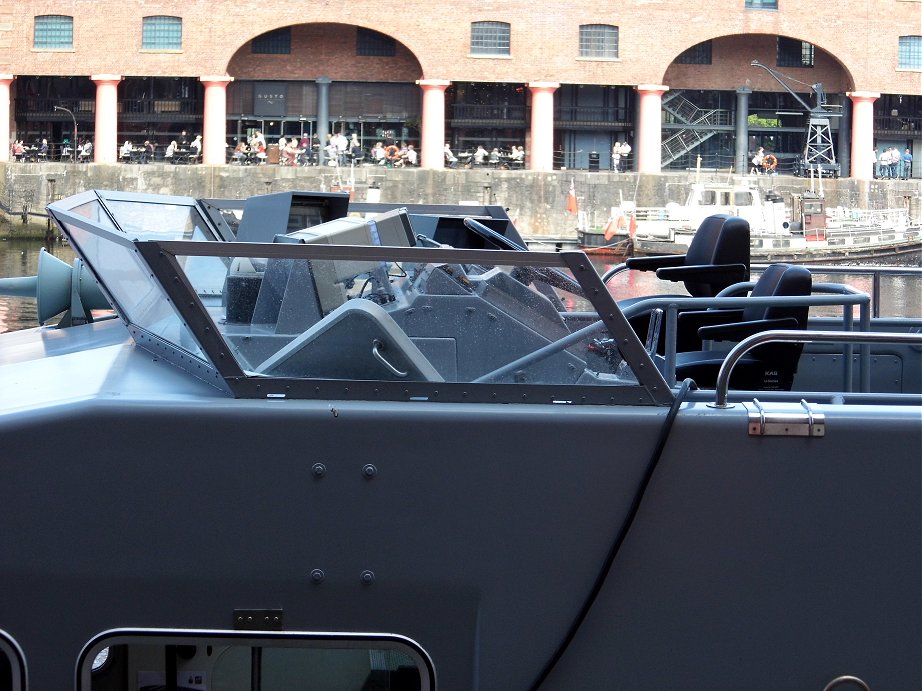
[673,79]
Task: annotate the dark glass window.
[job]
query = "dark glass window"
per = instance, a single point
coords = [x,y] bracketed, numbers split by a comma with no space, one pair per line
[762,4]
[910,53]
[696,55]
[598,41]
[490,38]
[794,53]
[374,44]
[161,33]
[276,42]
[54,31]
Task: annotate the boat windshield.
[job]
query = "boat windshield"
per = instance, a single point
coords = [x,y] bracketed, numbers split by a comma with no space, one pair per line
[295,319]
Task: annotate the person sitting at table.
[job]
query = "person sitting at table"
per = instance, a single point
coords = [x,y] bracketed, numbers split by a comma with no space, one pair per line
[377,153]
[517,156]
[240,153]
[85,151]
[258,146]
[146,152]
[18,150]
[289,154]
[412,156]
[494,157]
[450,158]
[170,152]
[480,155]
[305,151]
[125,153]
[195,149]
[43,150]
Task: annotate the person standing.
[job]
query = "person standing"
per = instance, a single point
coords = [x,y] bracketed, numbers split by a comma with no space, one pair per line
[616,157]
[757,162]
[907,164]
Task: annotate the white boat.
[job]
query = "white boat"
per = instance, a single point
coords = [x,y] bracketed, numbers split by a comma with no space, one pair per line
[807,232]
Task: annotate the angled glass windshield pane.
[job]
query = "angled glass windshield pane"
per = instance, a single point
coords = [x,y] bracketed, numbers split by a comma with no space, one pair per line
[379,314]
[157,221]
[138,299]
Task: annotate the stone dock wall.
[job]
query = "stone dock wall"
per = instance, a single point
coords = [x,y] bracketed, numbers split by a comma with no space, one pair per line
[537,201]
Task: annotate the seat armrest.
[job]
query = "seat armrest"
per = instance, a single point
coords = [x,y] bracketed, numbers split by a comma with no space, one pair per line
[696,319]
[735,272]
[654,263]
[740,330]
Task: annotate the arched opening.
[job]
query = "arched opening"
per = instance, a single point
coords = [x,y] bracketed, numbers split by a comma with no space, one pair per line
[711,81]
[372,89]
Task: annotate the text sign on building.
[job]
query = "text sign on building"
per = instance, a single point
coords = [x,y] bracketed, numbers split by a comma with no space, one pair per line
[269,99]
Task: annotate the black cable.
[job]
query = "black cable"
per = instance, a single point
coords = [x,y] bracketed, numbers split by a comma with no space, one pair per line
[665,430]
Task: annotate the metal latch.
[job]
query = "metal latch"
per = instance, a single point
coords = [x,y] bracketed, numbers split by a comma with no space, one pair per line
[786,422]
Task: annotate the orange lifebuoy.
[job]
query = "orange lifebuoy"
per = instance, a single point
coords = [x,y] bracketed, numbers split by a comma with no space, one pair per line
[391,153]
[769,162]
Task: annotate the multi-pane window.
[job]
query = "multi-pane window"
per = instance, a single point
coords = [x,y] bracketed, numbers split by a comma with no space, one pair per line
[374,44]
[276,42]
[699,54]
[794,53]
[910,57]
[489,38]
[762,4]
[161,33]
[598,41]
[53,31]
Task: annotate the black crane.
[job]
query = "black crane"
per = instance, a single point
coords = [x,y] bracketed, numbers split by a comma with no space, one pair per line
[819,155]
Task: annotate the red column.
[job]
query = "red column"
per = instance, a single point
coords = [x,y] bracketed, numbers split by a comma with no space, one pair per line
[214,127]
[5,81]
[541,144]
[432,131]
[862,134]
[649,128]
[105,146]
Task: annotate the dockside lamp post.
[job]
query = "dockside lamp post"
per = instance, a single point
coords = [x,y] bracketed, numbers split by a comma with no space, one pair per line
[73,143]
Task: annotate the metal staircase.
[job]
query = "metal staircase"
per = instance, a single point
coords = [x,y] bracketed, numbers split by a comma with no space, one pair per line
[701,125]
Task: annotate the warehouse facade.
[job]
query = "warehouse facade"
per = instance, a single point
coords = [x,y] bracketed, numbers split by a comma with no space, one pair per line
[675,80]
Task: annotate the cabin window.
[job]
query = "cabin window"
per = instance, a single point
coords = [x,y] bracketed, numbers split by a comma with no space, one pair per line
[761,4]
[708,197]
[742,198]
[12,665]
[239,659]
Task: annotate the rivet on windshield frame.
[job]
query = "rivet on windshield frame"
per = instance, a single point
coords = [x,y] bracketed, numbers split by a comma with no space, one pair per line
[368,577]
[369,470]
[317,575]
[319,469]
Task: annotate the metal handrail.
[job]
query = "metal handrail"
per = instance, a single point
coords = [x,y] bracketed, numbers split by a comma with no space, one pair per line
[875,272]
[780,336]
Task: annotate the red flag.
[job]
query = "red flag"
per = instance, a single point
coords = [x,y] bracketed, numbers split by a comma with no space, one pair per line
[610,229]
[571,199]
